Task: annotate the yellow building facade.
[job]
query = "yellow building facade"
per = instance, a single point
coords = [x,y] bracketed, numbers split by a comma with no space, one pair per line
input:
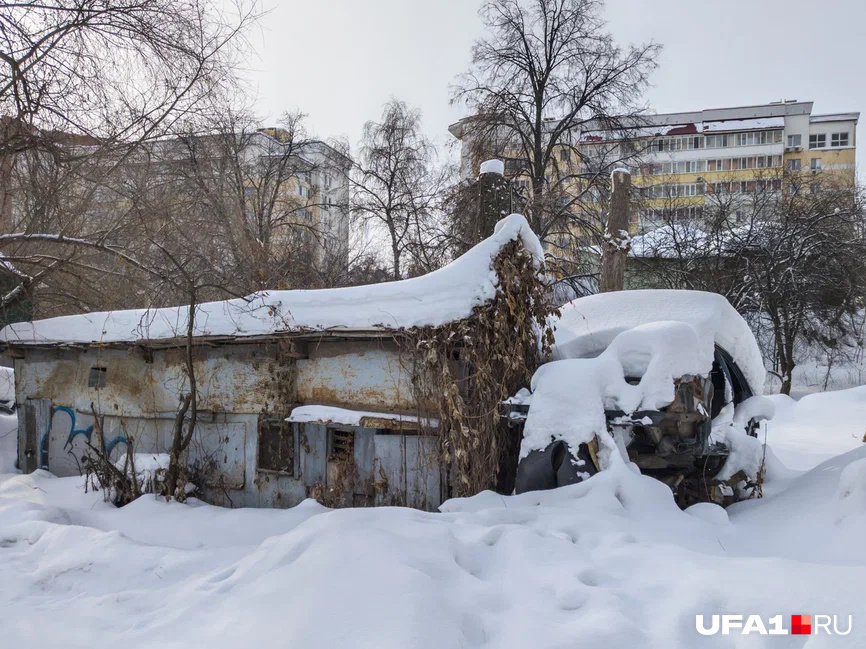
[683,163]
[687,163]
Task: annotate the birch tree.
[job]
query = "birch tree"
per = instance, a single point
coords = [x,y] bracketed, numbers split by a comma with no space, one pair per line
[396,186]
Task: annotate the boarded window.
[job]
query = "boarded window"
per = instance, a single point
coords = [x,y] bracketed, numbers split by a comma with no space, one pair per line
[276,445]
[341,447]
[97,376]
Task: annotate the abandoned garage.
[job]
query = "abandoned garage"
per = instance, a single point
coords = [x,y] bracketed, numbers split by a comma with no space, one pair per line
[337,394]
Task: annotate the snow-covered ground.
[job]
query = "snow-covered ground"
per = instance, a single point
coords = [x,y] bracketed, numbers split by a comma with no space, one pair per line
[818,427]
[607,563]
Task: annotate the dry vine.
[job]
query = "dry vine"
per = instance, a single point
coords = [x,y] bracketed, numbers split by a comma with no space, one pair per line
[465,369]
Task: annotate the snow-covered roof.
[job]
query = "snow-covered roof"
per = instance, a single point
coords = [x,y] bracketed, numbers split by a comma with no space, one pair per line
[835,117]
[669,241]
[688,128]
[492,167]
[687,239]
[723,125]
[589,324]
[437,298]
[331,415]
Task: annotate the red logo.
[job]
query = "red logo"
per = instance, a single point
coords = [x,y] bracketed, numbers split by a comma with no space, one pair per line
[801,624]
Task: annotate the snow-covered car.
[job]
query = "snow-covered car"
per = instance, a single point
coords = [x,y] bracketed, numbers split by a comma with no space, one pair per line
[669,380]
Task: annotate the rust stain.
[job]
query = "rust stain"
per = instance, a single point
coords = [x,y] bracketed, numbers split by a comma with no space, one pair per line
[59,379]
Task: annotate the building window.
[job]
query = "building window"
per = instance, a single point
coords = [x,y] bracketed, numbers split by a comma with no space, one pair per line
[326,181]
[793,165]
[839,139]
[815,164]
[97,377]
[515,166]
[795,140]
[276,445]
[818,141]
[759,137]
[564,155]
[815,189]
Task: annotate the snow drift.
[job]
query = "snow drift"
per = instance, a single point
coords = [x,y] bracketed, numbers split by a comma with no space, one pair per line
[610,562]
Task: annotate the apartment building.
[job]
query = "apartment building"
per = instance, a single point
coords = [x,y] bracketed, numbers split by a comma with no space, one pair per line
[681,162]
[282,183]
[285,182]
[687,161]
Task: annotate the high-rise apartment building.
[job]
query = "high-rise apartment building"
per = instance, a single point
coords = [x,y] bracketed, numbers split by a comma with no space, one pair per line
[681,162]
[687,159]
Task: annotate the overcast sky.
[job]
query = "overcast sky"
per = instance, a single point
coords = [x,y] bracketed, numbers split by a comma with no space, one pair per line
[339,60]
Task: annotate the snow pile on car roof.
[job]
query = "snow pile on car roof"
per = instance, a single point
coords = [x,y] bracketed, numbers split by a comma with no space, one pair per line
[442,296]
[569,397]
[589,324]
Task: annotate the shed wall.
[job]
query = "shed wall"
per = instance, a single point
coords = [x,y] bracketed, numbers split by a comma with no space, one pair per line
[237,384]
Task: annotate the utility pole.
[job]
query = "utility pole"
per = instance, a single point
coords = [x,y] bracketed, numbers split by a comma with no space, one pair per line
[616,238]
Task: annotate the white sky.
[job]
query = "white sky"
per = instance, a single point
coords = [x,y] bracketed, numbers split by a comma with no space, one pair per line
[340,60]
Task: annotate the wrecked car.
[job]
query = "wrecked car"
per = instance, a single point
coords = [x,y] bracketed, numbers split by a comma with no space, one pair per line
[668,380]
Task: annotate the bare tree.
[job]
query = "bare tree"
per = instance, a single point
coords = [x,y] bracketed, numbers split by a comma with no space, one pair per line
[396,186]
[546,72]
[277,196]
[807,272]
[793,262]
[84,85]
[116,71]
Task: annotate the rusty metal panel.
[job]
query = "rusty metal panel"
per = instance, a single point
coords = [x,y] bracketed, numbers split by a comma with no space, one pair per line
[42,410]
[365,453]
[363,490]
[407,471]
[238,379]
[67,440]
[423,475]
[389,470]
[360,376]
[224,444]
[313,452]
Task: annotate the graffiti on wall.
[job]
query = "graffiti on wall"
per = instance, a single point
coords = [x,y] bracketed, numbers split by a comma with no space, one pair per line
[73,432]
